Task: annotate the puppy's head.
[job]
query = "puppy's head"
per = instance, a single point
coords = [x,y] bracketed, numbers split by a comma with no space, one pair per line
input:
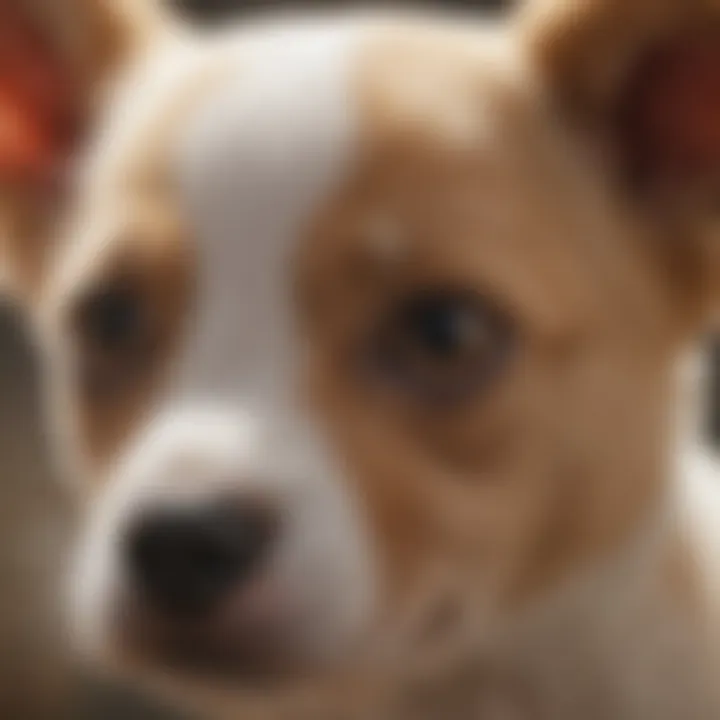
[361,333]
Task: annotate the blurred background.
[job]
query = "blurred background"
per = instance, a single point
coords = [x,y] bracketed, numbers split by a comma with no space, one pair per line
[37,679]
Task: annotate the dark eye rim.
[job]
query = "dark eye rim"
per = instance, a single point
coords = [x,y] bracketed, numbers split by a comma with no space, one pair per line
[386,372]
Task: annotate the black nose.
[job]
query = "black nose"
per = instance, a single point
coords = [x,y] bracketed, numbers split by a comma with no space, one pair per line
[184,562]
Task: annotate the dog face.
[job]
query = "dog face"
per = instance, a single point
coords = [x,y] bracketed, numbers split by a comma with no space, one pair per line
[363,331]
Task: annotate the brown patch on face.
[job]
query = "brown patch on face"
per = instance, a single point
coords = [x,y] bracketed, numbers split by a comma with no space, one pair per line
[462,184]
[131,245]
[123,322]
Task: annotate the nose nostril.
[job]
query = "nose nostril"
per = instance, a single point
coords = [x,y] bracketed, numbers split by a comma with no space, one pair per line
[184,561]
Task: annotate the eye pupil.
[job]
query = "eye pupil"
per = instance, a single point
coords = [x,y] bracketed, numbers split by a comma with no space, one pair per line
[442,327]
[111,318]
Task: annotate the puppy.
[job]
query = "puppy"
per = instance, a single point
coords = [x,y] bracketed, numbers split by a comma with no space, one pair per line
[363,338]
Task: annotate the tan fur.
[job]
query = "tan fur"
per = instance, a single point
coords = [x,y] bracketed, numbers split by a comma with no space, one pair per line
[156,261]
[537,262]
[98,35]
[470,177]
[588,50]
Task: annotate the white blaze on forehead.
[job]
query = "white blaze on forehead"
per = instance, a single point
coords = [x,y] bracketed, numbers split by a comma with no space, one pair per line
[259,158]
[262,155]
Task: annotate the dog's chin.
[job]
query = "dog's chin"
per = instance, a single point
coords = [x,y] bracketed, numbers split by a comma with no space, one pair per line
[221,654]
[197,677]
[205,655]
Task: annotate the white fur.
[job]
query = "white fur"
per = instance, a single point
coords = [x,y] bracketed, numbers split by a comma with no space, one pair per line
[253,163]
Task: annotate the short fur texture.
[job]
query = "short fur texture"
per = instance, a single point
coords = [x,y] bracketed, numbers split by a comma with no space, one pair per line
[545,549]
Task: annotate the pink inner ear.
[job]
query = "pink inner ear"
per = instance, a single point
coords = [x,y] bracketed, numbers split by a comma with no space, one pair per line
[671,114]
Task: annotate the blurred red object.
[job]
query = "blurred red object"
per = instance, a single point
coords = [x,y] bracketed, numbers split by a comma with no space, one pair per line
[36,98]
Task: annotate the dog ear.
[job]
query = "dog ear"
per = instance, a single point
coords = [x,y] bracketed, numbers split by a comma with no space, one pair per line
[642,79]
[55,58]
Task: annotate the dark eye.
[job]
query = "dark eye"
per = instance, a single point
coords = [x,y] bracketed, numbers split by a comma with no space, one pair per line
[441,346]
[113,339]
[111,319]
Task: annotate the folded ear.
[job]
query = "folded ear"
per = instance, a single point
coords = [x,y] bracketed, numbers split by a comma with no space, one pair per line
[55,57]
[642,78]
